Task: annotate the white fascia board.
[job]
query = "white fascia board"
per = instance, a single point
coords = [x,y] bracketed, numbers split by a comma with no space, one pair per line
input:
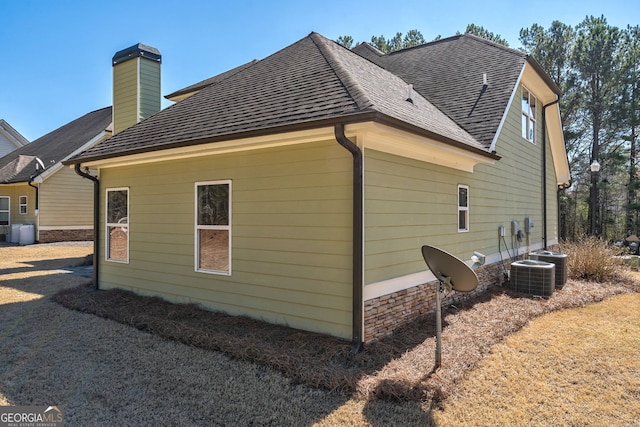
[556,142]
[221,147]
[12,135]
[371,135]
[514,92]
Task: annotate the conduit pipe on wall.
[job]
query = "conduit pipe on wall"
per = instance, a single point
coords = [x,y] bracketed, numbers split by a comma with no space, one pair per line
[96,220]
[358,237]
[544,171]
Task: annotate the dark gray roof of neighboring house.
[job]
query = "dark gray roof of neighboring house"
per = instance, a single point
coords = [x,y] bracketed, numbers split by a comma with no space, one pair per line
[312,83]
[54,147]
[211,80]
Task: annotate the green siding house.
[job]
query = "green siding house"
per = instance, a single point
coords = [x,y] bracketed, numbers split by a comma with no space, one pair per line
[299,189]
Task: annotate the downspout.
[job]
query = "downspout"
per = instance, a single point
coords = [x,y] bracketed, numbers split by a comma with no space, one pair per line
[96,220]
[358,261]
[31,178]
[544,171]
[37,188]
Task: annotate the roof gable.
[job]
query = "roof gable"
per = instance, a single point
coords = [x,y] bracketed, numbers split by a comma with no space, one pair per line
[449,73]
[11,137]
[54,147]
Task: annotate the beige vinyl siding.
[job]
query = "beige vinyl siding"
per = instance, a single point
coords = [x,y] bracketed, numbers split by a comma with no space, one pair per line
[66,200]
[291,234]
[14,191]
[411,203]
[125,94]
[149,88]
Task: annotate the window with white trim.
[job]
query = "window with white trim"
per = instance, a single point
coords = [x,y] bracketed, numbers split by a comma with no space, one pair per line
[5,204]
[528,115]
[22,202]
[117,225]
[463,208]
[213,227]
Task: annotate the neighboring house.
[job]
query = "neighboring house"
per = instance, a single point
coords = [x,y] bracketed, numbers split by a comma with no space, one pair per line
[299,189]
[10,139]
[36,189]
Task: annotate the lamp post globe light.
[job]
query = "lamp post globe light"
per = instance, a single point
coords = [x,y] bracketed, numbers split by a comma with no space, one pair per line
[595,169]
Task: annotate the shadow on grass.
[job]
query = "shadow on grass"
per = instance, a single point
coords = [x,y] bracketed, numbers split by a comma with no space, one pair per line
[398,367]
[48,264]
[311,358]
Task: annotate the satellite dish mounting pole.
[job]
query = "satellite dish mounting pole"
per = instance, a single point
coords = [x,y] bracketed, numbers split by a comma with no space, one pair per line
[452,274]
[444,282]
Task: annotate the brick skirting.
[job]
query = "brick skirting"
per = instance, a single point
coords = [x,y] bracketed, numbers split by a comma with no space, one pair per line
[50,236]
[384,314]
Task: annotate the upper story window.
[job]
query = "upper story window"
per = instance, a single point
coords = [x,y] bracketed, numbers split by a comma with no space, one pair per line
[117,226]
[22,201]
[463,208]
[528,115]
[213,227]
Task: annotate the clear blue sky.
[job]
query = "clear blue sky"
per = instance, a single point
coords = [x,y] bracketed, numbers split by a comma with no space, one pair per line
[55,56]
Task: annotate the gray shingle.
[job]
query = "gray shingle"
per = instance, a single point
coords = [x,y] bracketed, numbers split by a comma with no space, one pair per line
[210,81]
[449,73]
[315,82]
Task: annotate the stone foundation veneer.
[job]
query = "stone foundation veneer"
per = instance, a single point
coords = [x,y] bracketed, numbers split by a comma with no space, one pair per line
[384,314]
[50,236]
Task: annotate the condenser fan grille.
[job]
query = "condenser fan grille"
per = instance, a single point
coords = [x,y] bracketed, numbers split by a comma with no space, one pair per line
[533,277]
[561,262]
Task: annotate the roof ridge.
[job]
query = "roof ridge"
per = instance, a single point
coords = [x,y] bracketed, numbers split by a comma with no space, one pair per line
[459,36]
[350,84]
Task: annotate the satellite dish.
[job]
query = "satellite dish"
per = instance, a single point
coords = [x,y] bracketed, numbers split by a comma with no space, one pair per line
[451,273]
[442,264]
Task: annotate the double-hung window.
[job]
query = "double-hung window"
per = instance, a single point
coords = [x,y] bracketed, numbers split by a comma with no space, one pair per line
[213,227]
[117,225]
[22,202]
[4,210]
[463,208]
[528,115]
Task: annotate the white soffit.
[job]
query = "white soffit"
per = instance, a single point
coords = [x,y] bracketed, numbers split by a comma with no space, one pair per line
[369,135]
[383,138]
[220,147]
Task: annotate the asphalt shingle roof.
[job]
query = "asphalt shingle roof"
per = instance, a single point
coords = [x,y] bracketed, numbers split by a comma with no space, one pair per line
[211,80]
[54,147]
[316,82]
[449,73]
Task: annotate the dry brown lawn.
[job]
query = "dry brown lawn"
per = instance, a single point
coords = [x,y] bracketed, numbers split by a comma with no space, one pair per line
[576,367]
[537,376]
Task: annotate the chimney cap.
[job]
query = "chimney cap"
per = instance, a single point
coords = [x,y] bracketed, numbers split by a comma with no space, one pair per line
[137,51]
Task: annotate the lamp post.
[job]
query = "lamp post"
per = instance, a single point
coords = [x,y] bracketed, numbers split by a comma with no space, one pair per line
[595,169]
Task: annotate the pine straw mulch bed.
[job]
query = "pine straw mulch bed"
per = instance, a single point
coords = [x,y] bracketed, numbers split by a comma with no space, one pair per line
[398,367]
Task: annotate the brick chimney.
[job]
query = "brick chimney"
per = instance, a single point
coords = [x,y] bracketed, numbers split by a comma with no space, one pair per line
[136,85]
